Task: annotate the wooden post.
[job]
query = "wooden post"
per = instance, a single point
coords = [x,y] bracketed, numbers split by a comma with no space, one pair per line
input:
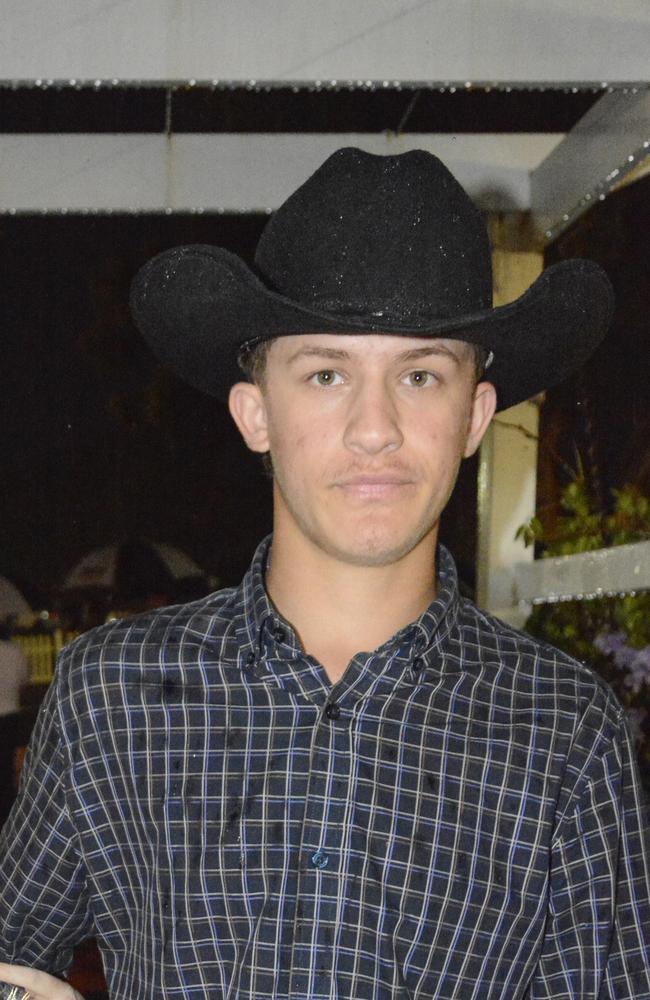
[508,459]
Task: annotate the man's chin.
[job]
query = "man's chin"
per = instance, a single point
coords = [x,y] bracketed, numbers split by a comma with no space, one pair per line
[372,550]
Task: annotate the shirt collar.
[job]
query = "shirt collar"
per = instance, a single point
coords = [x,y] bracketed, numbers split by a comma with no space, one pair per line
[262,620]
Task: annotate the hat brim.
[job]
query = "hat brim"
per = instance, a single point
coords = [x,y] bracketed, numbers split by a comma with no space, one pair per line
[198,305]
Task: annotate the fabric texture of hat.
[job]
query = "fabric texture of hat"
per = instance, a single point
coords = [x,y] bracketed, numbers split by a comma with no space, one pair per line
[369,244]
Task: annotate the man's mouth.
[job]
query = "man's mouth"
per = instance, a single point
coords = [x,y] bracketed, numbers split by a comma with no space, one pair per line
[379,486]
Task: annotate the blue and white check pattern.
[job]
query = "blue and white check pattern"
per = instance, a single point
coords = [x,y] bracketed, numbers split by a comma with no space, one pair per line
[459,817]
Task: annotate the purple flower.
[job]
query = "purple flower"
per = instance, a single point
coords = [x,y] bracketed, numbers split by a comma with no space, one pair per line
[639,670]
[636,662]
[610,642]
[614,645]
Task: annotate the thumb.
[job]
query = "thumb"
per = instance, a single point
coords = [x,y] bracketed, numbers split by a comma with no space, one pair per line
[38,985]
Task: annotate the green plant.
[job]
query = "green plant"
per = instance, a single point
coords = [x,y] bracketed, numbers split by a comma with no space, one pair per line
[611,633]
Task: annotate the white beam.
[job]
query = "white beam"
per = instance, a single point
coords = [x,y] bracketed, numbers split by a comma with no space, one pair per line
[231,172]
[523,40]
[603,572]
[608,141]
[82,172]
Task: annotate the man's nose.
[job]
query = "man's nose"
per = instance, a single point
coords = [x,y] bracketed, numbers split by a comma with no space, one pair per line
[373,423]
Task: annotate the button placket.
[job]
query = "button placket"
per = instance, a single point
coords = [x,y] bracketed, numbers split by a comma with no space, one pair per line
[322,832]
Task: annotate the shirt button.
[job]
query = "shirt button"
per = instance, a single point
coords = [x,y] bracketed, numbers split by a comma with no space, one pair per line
[417,665]
[333,710]
[319,859]
[279,634]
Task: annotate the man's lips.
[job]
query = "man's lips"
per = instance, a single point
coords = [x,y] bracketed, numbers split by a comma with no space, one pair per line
[379,486]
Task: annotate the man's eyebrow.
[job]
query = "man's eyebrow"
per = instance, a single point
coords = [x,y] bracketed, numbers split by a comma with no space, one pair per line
[338,354]
[333,353]
[422,352]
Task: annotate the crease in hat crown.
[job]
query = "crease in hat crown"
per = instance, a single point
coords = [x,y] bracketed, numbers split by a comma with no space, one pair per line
[415,226]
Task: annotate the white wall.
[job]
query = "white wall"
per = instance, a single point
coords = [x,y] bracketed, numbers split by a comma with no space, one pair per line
[524,40]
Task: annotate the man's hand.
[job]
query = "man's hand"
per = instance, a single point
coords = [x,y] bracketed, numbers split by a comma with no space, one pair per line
[39,985]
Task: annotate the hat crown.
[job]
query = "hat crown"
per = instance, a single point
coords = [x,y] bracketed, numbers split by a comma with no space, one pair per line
[391,238]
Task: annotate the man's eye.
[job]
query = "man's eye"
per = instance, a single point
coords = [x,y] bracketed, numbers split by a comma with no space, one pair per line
[420,378]
[326,377]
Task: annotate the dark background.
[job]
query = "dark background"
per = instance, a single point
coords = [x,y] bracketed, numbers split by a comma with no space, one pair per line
[100,443]
[603,411]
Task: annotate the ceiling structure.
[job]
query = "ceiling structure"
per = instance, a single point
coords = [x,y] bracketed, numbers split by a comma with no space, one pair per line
[210,106]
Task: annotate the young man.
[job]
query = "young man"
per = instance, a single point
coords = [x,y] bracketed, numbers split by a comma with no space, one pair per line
[340,780]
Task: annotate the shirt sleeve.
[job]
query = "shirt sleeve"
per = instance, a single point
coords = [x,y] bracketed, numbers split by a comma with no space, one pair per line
[43,904]
[597,938]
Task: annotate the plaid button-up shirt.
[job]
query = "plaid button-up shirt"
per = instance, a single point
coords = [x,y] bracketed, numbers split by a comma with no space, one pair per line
[458,817]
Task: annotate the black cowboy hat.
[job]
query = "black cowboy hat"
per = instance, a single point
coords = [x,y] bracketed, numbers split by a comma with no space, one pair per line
[369,244]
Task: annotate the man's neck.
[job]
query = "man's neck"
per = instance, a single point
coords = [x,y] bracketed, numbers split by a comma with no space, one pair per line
[339,609]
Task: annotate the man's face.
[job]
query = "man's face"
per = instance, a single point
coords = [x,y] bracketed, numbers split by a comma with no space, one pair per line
[366,434]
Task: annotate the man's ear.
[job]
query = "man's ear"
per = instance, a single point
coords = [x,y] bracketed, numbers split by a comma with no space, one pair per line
[483,406]
[248,410]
